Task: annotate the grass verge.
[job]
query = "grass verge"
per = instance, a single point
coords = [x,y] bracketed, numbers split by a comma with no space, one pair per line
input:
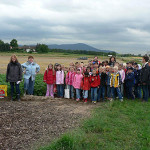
[112,126]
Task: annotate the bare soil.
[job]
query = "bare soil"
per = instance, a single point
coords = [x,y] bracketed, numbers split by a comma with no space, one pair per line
[36,121]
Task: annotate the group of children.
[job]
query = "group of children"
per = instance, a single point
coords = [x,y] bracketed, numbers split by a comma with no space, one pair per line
[96,81]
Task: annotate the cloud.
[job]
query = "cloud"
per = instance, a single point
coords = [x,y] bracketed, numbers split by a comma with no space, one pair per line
[123,26]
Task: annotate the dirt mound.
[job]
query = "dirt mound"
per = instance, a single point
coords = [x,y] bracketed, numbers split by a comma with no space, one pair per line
[35,98]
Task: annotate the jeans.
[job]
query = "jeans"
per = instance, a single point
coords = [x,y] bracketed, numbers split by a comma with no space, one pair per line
[94,93]
[118,92]
[145,92]
[60,90]
[129,92]
[12,84]
[101,93]
[29,86]
[71,88]
[78,93]
[85,94]
[50,90]
[138,91]
[122,89]
[108,91]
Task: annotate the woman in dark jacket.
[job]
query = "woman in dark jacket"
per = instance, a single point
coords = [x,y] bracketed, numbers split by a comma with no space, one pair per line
[14,75]
[112,61]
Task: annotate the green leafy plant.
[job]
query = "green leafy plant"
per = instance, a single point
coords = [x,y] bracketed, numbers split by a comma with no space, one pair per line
[39,87]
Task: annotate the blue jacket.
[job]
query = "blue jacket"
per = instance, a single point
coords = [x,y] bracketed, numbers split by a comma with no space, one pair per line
[30,70]
[130,79]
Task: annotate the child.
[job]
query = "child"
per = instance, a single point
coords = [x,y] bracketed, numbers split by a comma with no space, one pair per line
[50,79]
[69,81]
[129,83]
[60,81]
[85,86]
[95,65]
[77,84]
[108,73]
[95,82]
[122,74]
[138,88]
[114,83]
[88,69]
[103,77]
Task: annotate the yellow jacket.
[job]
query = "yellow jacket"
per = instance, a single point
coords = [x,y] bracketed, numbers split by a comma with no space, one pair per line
[114,80]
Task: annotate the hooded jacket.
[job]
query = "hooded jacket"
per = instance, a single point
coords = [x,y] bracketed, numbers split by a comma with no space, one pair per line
[69,78]
[85,83]
[30,70]
[77,81]
[50,76]
[14,72]
[95,81]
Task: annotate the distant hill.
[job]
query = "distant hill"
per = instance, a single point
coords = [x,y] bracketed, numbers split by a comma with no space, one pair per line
[78,46]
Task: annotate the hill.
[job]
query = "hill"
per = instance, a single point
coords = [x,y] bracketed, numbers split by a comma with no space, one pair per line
[78,46]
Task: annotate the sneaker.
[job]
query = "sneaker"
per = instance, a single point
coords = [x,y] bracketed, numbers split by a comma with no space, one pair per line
[111,100]
[121,100]
[94,102]
[77,99]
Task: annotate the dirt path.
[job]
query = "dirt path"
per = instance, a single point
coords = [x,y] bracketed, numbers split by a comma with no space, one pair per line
[28,124]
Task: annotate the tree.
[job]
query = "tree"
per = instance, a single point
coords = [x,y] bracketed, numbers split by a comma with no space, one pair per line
[14,43]
[42,48]
[4,46]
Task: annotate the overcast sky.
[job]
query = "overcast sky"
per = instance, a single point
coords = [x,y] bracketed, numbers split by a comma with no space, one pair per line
[120,25]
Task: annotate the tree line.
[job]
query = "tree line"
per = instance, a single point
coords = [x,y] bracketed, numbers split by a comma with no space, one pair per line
[43,48]
[5,47]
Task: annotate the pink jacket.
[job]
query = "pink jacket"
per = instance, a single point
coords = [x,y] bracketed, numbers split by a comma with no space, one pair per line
[77,81]
[69,78]
[122,74]
[60,77]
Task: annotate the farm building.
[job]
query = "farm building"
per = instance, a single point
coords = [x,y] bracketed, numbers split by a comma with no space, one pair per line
[28,48]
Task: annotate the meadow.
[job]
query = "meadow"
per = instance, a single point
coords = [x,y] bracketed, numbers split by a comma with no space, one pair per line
[111,125]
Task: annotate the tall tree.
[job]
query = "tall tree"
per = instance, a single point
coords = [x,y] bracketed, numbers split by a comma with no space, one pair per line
[14,43]
[42,48]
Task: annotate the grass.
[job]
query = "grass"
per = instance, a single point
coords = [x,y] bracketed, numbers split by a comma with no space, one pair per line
[50,54]
[112,126]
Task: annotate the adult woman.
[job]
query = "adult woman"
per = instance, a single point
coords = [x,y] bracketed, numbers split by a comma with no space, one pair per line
[14,75]
[144,78]
[30,69]
[112,61]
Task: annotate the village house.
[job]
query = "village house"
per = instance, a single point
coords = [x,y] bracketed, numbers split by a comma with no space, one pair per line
[28,48]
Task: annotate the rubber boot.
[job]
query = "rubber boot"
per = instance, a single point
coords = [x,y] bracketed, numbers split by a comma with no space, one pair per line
[85,101]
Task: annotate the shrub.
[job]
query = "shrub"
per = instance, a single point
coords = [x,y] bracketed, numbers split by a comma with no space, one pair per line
[39,87]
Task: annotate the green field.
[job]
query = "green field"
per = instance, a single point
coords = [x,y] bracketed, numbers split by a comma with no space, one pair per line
[112,126]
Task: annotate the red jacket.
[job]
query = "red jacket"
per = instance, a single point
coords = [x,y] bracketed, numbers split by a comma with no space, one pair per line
[95,81]
[50,76]
[85,83]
